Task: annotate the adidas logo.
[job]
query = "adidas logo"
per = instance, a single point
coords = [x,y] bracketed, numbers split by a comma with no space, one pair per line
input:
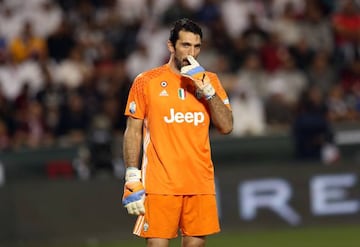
[163,93]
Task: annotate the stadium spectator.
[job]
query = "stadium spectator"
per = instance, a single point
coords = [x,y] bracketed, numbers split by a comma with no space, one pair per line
[350,76]
[27,44]
[151,30]
[339,108]
[208,12]
[52,99]
[302,53]
[138,61]
[311,128]
[321,72]
[178,9]
[31,129]
[287,26]
[235,15]
[14,75]
[284,88]
[252,76]
[120,87]
[61,42]
[272,53]
[248,111]
[45,16]
[74,120]
[72,71]
[99,143]
[11,22]
[278,7]
[316,28]
[346,28]
[224,42]
[255,35]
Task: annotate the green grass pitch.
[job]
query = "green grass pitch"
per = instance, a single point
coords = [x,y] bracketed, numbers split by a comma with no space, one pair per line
[340,236]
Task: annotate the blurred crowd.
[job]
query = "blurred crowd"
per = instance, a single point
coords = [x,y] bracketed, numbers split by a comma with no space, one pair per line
[66,66]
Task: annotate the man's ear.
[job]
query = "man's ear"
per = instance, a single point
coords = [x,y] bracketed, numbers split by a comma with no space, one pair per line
[171,48]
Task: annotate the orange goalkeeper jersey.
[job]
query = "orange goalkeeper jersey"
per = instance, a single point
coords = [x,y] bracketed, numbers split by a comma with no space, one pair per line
[176,146]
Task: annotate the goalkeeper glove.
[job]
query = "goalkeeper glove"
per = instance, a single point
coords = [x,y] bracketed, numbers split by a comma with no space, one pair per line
[196,72]
[134,192]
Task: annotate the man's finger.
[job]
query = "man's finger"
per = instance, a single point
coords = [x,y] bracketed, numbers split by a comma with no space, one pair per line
[192,60]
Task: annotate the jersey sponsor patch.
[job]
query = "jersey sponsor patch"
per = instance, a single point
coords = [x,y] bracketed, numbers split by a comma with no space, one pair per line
[132,107]
[164,93]
[181,93]
[146,227]
[163,83]
[185,117]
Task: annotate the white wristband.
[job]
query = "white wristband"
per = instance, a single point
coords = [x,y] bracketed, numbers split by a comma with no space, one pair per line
[132,174]
[208,91]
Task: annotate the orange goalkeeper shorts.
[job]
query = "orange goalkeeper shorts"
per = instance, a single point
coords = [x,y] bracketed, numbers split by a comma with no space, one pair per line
[165,215]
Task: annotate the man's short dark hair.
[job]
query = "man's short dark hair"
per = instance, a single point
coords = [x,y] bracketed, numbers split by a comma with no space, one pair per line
[184,24]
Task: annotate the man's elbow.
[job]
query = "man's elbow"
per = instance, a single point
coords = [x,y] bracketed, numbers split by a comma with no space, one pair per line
[225,130]
[225,125]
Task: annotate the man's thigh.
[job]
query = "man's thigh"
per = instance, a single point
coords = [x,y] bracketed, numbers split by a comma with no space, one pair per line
[162,216]
[194,215]
[199,215]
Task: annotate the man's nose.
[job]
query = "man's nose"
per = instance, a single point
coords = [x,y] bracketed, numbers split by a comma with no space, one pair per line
[191,51]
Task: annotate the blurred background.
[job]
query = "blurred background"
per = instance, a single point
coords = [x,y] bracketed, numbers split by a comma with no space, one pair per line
[292,72]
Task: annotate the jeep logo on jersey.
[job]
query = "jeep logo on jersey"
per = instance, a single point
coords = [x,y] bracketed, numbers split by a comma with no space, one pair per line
[188,117]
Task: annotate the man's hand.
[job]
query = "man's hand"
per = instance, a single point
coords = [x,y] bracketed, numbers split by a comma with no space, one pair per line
[134,192]
[196,72]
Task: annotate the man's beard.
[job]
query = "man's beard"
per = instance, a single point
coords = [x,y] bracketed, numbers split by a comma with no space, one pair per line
[178,63]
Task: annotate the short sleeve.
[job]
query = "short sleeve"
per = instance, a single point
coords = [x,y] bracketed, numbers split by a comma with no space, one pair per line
[136,103]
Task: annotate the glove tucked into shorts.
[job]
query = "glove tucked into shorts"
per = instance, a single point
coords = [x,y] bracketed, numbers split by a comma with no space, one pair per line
[134,192]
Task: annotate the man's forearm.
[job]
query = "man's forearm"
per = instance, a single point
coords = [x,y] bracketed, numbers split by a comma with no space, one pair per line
[132,147]
[221,115]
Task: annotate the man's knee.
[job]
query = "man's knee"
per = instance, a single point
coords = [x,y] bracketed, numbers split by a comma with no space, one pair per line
[188,241]
[157,242]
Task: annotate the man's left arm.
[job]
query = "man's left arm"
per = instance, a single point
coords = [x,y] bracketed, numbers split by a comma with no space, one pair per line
[221,115]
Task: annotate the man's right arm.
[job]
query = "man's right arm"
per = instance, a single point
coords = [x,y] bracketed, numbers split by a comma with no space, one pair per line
[132,142]
[134,192]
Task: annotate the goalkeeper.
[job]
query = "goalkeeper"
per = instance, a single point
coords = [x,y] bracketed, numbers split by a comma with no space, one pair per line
[169,111]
